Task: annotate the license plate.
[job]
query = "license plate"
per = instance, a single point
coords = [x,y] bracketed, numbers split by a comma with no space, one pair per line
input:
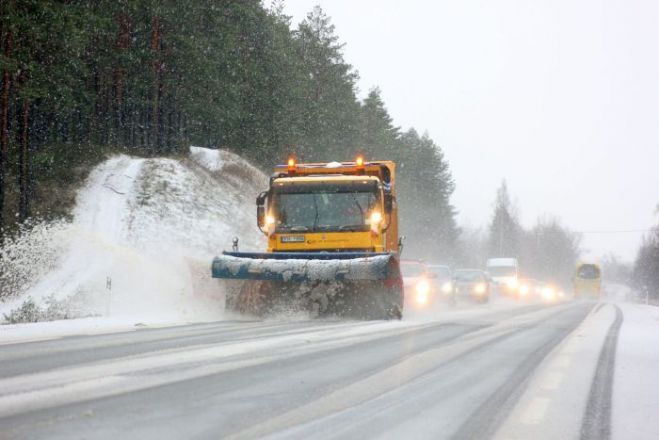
[292,239]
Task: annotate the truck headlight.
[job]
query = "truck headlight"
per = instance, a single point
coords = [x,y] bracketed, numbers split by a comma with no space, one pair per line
[512,283]
[375,219]
[270,224]
[480,288]
[523,290]
[447,287]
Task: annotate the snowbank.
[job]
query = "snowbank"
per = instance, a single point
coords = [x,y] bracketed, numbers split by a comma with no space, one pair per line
[636,396]
[142,238]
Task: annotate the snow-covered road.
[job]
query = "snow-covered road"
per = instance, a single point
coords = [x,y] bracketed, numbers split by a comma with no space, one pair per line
[154,356]
[506,371]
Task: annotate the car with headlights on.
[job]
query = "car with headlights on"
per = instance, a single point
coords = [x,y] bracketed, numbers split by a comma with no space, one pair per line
[472,284]
[442,282]
[550,292]
[528,289]
[420,292]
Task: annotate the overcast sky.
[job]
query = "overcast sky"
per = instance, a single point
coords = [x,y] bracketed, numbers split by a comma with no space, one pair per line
[559,97]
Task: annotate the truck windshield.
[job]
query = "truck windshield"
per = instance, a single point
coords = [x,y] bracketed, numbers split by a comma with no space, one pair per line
[502,271]
[310,208]
[588,272]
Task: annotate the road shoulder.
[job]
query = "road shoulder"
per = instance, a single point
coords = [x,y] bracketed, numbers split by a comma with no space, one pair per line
[556,397]
[636,381]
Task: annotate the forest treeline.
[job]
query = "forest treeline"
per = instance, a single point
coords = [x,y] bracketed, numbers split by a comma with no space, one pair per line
[81,78]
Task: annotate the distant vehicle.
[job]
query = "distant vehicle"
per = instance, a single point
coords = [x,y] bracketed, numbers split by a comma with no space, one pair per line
[533,290]
[528,289]
[417,285]
[473,284]
[587,281]
[504,273]
[548,292]
[442,282]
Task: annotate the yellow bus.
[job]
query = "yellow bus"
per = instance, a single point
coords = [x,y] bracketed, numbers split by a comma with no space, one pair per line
[587,281]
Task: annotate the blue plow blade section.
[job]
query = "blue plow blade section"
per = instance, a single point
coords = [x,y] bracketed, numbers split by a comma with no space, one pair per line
[305,266]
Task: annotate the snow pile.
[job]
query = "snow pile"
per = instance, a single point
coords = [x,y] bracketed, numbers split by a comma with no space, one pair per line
[142,238]
[210,159]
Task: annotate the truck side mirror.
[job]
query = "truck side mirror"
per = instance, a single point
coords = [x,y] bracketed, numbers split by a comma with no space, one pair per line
[260,209]
[386,174]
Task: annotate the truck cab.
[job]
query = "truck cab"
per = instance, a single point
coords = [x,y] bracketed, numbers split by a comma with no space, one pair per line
[333,207]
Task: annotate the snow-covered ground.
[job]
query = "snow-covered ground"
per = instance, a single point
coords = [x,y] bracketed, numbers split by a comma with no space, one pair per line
[636,386]
[142,238]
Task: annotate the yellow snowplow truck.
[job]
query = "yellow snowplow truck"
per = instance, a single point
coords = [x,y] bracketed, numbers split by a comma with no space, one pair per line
[333,245]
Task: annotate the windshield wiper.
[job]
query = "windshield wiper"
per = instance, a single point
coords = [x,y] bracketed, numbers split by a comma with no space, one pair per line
[298,228]
[315,219]
[351,228]
[361,210]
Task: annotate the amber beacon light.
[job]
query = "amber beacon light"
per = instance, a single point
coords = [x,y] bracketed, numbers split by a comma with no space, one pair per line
[292,164]
[359,164]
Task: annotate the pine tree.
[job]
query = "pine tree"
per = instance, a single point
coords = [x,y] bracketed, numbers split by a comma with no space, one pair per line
[328,115]
[425,186]
[377,135]
[504,228]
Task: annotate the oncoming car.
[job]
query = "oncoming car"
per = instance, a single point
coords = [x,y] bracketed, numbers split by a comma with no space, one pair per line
[442,282]
[534,290]
[551,293]
[418,287]
[528,289]
[473,284]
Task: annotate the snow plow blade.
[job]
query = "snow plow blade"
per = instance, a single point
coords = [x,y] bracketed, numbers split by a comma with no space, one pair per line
[356,284]
[304,266]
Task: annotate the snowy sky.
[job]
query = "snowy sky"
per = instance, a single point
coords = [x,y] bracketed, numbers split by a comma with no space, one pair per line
[560,97]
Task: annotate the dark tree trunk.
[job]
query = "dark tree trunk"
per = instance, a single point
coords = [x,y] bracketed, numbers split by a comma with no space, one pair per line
[157,86]
[123,43]
[4,123]
[24,169]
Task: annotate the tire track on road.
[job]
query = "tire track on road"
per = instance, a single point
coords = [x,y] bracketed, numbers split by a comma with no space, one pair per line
[596,423]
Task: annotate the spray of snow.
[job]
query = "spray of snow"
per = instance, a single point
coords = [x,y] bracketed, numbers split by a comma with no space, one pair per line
[142,238]
[31,254]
